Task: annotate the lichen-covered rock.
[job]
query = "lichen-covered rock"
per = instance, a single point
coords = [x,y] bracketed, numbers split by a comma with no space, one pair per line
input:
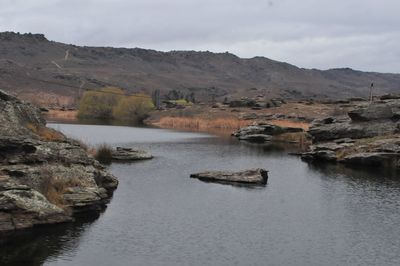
[130,154]
[45,177]
[382,110]
[263,132]
[256,138]
[253,176]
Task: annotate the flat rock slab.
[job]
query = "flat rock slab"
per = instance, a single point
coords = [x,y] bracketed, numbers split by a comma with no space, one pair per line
[256,138]
[252,176]
[130,154]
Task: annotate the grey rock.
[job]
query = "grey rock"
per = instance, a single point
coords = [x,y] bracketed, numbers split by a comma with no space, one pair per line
[374,111]
[345,128]
[319,155]
[130,154]
[253,176]
[256,138]
[262,132]
[44,181]
[345,140]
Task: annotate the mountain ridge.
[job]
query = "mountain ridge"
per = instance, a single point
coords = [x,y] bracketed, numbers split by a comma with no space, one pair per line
[30,64]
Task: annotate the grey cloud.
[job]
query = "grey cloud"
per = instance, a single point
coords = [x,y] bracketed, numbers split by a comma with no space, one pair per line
[362,34]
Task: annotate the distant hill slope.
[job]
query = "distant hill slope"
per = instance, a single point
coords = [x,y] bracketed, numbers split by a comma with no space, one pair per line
[32,66]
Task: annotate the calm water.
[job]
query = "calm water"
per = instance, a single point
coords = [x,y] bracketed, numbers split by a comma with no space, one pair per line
[306,215]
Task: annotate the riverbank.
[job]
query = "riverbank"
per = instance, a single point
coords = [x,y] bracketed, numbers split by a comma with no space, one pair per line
[159,216]
[45,177]
[222,118]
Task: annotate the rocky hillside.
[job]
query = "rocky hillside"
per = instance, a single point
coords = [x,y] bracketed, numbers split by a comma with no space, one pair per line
[32,66]
[45,177]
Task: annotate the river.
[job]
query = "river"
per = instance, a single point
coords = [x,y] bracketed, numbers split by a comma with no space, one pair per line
[305,215]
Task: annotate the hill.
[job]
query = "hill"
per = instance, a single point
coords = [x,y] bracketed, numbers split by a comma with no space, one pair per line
[35,68]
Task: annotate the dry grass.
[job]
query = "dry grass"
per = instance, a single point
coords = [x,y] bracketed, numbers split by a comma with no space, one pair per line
[202,124]
[53,187]
[104,154]
[69,115]
[45,133]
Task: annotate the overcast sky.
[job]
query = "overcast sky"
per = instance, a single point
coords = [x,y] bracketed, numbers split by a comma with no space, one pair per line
[361,34]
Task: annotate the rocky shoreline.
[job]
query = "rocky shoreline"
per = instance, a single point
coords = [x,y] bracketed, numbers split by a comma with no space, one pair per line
[45,177]
[369,135]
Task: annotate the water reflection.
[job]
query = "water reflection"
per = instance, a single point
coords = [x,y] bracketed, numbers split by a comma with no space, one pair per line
[308,214]
[35,246]
[356,173]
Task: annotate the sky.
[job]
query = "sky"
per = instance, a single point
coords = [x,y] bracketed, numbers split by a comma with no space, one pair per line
[361,34]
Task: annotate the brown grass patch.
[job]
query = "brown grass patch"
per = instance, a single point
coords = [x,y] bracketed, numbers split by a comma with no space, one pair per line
[201,124]
[68,115]
[45,133]
[53,187]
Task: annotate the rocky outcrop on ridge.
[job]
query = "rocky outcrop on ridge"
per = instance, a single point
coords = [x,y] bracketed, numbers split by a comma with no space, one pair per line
[45,178]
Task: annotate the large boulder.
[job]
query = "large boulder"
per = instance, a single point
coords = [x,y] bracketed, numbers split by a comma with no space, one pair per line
[45,177]
[375,111]
[253,176]
[343,127]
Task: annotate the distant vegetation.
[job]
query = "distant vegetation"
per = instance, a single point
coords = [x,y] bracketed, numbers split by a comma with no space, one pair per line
[112,104]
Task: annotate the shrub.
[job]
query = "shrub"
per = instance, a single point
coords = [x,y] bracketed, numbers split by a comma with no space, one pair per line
[133,108]
[104,154]
[99,104]
[111,103]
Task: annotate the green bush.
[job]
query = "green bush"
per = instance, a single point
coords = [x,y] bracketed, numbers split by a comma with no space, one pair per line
[111,103]
[133,108]
[99,104]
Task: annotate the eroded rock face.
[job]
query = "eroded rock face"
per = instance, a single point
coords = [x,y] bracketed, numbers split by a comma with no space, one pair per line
[369,135]
[45,177]
[252,176]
